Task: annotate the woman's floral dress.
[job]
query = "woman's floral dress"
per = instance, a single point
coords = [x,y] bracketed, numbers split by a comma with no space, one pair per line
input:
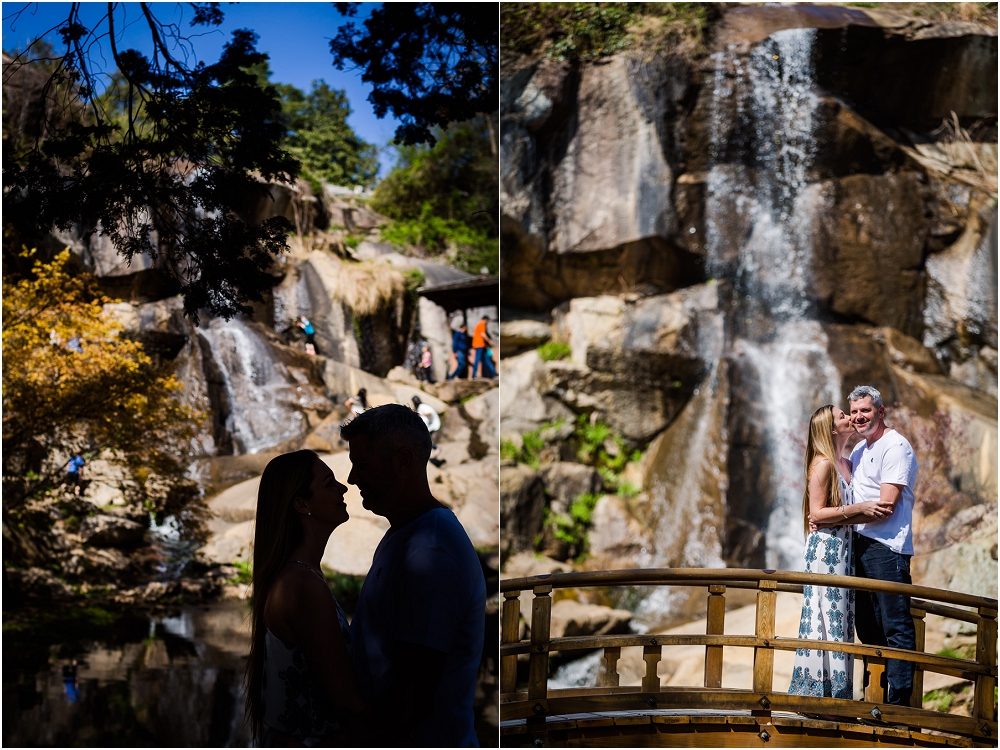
[827,614]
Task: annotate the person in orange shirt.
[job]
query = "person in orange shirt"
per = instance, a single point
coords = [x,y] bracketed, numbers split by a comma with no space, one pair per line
[480,340]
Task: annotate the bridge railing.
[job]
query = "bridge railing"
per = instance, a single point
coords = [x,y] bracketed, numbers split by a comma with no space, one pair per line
[538,701]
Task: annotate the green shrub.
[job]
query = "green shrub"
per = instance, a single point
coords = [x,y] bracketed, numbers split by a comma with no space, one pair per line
[589,31]
[245,571]
[582,508]
[553,350]
[352,241]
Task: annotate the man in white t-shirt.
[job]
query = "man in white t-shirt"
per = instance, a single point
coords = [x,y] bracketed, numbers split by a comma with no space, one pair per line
[418,630]
[884,467]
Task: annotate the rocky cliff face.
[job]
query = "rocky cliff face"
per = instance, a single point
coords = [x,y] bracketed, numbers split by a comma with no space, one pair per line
[726,243]
[262,393]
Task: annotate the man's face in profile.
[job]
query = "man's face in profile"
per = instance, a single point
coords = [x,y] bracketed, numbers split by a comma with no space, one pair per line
[371,473]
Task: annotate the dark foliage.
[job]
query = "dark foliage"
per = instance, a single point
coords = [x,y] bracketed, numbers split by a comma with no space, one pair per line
[169,160]
[431,64]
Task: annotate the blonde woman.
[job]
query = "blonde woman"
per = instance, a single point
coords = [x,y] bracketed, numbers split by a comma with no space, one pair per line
[827,612]
[301,689]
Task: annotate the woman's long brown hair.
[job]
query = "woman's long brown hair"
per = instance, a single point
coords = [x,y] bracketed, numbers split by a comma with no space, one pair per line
[820,443]
[277,532]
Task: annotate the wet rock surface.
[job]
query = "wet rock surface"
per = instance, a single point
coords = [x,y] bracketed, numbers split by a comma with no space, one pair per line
[844,240]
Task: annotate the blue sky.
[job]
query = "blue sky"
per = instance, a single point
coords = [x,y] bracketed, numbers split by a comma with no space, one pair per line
[295,36]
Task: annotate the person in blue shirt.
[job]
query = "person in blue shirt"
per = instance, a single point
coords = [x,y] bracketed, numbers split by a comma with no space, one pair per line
[307,327]
[460,346]
[73,472]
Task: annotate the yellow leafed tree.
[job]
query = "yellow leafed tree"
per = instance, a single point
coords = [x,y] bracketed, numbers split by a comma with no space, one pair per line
[72,383]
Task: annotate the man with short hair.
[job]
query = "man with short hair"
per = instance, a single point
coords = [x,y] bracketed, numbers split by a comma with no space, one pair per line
[884,467]
[460,346]
[480,340]
[419,625]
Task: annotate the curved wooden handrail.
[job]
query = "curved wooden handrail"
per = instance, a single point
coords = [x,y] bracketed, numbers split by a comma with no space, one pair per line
[537,702]
[733,577]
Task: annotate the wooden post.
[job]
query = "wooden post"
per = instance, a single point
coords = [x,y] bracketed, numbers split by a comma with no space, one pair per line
[763,656]
[986,655]
[716,626]
[609,676]
[875,689]
[509,633]
[917,698]
[538,667]
[651,681]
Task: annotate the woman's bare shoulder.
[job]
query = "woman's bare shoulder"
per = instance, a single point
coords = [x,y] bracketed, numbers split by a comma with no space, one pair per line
[820,467]
[293,586]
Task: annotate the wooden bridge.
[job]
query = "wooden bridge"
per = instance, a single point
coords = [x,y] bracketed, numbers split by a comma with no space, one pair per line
[711,715]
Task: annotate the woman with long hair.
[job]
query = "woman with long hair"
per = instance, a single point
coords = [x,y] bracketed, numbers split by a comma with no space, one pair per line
[828,612]
[299,680]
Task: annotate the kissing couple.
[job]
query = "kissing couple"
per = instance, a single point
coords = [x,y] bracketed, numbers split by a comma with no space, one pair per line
[403,672]
[857,516]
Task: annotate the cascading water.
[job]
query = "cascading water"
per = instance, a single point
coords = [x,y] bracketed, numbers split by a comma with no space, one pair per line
[262,394]
[760,210]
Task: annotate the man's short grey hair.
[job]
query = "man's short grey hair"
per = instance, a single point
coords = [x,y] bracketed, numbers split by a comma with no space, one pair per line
[391,426]
[866,391]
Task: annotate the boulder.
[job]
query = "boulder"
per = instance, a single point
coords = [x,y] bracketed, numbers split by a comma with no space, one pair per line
[961,556]
[237,504]
[485,409]
[326,437]
[617,539]
[404,395]
[960,314]
[565,481]
[973,414]
[344,380]
[636,362]
[873,232]
[235,542]
[516,335]
[522,405]
[103,530]
[522,500]
[458,390]
[572,618]
[609,190]
[37,583]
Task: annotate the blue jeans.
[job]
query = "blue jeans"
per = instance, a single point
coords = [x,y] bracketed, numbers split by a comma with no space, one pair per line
[480,360]
[461,365]
[884,619]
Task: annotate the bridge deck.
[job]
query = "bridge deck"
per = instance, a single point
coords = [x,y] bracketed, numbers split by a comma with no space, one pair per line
[676,728]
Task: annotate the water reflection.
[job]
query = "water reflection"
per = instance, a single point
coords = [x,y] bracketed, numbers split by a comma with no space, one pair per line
[92,678]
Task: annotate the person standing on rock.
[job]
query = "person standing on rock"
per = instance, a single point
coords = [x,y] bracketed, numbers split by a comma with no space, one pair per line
[884,467]
[480,340]
[419,625]
[460,347]
[426,370]
[307,328]
[73,473]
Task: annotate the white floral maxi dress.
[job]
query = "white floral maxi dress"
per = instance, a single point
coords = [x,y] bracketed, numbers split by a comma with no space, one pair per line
[827,614]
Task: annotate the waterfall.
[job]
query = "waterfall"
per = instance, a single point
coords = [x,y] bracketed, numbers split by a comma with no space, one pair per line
[760,216]
[262,394]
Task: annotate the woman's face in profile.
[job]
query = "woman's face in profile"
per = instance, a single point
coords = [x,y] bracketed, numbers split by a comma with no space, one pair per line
[327,502]
[842,423]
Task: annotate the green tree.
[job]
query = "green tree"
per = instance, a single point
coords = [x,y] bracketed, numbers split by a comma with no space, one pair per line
[166,159]
[73,384]
[443,197]
[430,64]
[319,136]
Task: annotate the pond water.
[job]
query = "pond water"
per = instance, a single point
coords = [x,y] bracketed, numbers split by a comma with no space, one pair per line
[144,679]
[141,679]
